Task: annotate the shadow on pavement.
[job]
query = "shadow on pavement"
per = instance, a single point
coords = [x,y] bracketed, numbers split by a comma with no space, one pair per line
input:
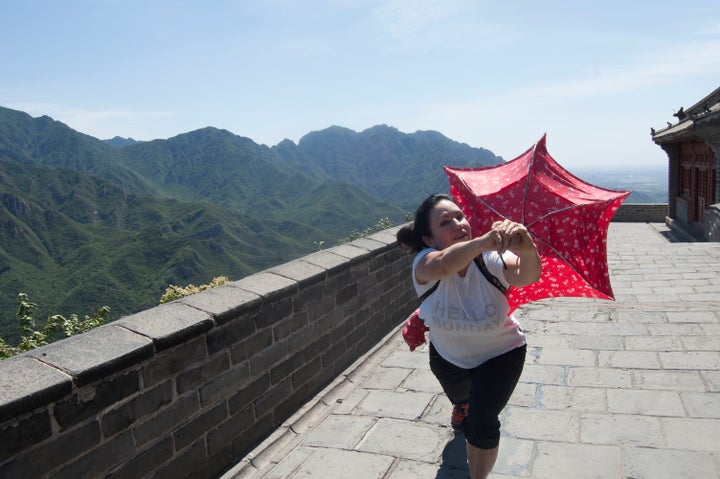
[454,459]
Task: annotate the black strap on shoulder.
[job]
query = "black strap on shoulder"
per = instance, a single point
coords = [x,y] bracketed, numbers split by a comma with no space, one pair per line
[430,291]
[480,262]
[488,275]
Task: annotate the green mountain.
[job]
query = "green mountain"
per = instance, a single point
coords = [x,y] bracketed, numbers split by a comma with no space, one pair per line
[49,143]
[401,168]
[74,242]
[85,222]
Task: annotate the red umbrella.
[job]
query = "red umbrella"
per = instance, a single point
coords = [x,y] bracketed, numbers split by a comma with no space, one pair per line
[567,217]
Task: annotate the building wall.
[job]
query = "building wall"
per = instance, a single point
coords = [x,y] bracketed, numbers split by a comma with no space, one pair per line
[712,223]
[673,152]
[679,214]
[187,388]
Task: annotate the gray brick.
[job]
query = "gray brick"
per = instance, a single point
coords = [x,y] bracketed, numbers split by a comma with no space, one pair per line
[225,385]
[259,430]
[304,337]
[274,396]
[230,333]
[289,325]
[250,346]
[170,362]
[249,393]
[284,369]
[199,426]
[308,295]
[301,376]
[28,431]
[273,313]
[166,419]
[49,455]
[316,348]
[268,357]
[145,461]
[134,410]
[202,373]
[331,320]
[90,400]
[96,462]
[186,463]
[330,355]
[323,306]
[291,403]
[227,432]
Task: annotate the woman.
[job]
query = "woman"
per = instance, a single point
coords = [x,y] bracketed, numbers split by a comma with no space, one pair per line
[477,351]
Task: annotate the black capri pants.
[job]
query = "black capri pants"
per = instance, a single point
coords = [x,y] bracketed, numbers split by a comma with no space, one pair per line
[486,388]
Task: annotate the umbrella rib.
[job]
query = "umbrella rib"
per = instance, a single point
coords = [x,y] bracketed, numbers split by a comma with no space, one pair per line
[491,208]
[527,184]
[480,199]
[552,213]
[563,210]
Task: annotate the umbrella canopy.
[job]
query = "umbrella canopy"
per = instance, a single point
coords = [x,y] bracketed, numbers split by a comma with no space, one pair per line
[567,218]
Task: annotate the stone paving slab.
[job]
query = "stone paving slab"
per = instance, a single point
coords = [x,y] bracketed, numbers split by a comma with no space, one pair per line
[621,389]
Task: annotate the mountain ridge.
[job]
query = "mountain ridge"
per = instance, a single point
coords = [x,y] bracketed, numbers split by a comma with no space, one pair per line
[87,222]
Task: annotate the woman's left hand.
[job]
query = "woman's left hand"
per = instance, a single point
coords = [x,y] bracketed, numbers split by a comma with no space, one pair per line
[526,266]
[516,237]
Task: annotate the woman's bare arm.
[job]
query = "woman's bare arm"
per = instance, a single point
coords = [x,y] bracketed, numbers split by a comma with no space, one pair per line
[437,265]
[525,268]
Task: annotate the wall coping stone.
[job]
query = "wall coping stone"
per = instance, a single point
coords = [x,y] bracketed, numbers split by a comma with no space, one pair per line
[327,259]
[386,236]
[97,353]
[351,252]
[370,244]
[168,324]
[266,285]
[300,271]
[223,303]
[28,384]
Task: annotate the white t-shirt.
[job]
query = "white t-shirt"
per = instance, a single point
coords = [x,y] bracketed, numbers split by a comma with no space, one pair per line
[467,316]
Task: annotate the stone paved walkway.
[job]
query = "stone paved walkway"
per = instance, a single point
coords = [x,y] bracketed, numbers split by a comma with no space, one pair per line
[623,389]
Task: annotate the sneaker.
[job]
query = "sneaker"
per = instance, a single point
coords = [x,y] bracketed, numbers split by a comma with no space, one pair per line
[458,414]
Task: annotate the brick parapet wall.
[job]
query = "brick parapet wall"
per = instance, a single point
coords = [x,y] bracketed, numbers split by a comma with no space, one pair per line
[641,213]
[188,387]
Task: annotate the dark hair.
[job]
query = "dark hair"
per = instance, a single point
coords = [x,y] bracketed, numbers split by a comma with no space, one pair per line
[411,236]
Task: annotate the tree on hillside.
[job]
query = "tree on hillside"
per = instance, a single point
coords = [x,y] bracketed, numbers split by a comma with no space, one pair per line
[56,325]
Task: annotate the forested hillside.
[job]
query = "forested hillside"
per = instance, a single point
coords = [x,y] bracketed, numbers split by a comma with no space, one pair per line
[85,222]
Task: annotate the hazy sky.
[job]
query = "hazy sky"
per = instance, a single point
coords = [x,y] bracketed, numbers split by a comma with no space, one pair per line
[593,75]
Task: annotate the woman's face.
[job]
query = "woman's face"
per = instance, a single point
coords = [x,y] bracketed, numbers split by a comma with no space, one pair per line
[448,226]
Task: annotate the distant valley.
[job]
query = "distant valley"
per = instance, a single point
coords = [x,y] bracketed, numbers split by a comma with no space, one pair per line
[646,185]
